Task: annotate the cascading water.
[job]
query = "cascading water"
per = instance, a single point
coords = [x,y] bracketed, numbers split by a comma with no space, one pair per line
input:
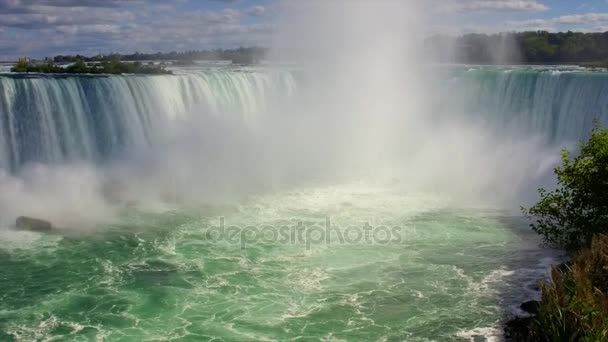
[352,199]
[558,104]
[61,119]
[451,271]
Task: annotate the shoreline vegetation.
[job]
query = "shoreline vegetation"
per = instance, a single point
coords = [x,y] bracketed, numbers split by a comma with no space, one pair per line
[530,47]
[80,67]
[137,63]
[574,217]
[587,50]
[241,56]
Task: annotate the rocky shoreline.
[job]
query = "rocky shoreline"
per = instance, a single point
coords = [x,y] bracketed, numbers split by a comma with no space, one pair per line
[518,328]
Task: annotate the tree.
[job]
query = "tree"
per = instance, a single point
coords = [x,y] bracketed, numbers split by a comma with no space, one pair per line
[22,66]
[569,216]
[78,67]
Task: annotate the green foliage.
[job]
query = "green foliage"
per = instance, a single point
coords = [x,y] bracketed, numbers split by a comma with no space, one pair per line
[538,48]
[80,67]
[241,55]
[577,210]
[533,47]
[574,306]
[21,66]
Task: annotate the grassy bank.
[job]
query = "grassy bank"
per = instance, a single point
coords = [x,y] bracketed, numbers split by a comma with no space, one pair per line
[574,304]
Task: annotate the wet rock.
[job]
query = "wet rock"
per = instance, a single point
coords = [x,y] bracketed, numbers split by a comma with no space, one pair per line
[33,224]
[518,329]
[530,307]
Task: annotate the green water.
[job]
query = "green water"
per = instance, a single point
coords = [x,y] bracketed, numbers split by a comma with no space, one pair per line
[452,274]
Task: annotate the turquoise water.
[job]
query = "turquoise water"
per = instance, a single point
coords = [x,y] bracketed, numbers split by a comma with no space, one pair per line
[62,119]
[448,273]
[558,103]
[118,164]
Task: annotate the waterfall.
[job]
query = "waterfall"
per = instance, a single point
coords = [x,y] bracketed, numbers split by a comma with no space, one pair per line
[56,119]
[558,104]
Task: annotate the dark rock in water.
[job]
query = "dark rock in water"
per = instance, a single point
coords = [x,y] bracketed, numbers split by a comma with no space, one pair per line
[530,306]
[518,329]
[33,224]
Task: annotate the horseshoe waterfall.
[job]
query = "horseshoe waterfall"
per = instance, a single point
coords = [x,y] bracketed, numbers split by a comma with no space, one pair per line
[250,204]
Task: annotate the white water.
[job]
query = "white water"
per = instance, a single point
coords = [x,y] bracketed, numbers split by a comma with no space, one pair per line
[490,134]
[62,119]
[362,132]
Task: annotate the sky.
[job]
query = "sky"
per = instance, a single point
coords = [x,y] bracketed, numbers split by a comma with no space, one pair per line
[39,28]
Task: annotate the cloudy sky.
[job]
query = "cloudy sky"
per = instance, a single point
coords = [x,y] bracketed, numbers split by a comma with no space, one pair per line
[40,28]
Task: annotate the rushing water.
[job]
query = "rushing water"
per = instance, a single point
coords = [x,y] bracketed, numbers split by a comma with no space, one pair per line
[559,103]
[452,273]
[451,270]
[59,119]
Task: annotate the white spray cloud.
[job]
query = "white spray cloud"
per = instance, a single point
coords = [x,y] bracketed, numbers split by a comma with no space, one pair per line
[366,108]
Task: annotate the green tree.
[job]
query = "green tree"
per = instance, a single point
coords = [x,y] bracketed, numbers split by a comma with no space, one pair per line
[22,66]
[538,48]
[78,67]
[569,216]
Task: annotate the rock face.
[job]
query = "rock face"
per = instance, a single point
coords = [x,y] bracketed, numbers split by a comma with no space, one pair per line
[33,224]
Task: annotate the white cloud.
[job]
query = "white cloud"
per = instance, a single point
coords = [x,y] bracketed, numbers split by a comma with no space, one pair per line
[579,22]
[464,6]
[47,27]
[257,11]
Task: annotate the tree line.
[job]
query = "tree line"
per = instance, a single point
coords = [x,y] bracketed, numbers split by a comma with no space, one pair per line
[534,47]
[241,55]
[81,67]
[540,47]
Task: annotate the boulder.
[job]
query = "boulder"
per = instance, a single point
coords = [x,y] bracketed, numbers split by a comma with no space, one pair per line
[33,224]
[530,307]
[518,329]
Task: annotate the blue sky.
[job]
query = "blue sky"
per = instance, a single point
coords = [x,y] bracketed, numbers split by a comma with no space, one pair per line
[40,28]
[518,15]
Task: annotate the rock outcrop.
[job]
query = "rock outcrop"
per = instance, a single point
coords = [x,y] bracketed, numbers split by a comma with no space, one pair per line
[33,224]
[530,306]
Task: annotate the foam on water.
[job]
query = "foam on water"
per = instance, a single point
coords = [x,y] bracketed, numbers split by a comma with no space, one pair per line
[458,269]
[161,277]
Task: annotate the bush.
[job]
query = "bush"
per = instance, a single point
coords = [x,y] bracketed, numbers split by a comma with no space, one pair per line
[21,66]
[80,67]
[574,307]
[571,215]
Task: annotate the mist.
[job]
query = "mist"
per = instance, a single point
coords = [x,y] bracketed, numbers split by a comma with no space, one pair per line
[377,98]
[369,108]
